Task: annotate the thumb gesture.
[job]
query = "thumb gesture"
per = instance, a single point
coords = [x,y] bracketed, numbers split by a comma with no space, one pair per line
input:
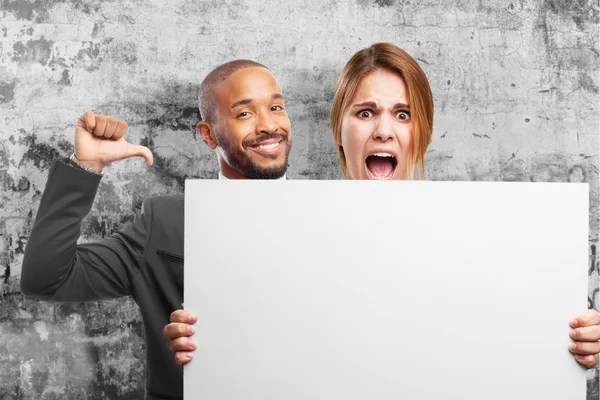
[99,140]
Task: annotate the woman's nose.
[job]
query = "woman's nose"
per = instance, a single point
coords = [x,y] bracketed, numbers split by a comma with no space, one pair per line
[384,129]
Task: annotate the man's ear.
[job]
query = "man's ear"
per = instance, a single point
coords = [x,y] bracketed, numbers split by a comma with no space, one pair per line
[205,130]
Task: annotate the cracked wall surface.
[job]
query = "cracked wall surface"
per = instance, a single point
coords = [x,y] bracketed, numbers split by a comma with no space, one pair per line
[515,86]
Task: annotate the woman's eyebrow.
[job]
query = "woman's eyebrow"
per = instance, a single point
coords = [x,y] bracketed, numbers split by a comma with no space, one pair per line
[401,105]
[371,104]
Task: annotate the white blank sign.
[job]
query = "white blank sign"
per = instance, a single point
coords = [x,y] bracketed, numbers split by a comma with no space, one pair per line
[384,290]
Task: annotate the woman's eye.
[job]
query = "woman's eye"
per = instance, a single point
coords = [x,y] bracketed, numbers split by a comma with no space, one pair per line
[403,115]
[365,114]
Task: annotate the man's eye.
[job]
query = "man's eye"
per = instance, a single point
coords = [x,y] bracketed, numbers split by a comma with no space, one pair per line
[277,108]
[403,115]
[365,114]
[243,114]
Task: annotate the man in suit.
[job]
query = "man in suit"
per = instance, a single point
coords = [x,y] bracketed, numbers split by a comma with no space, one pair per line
[243,119]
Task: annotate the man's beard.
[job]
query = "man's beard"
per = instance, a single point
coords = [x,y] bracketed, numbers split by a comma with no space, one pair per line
[241,162]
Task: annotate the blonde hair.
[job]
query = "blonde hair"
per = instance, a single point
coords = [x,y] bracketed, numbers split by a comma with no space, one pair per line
[387,57]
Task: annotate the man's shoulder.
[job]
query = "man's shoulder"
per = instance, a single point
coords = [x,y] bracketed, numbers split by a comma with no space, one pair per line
[170,206]
[165,219]
[166,200]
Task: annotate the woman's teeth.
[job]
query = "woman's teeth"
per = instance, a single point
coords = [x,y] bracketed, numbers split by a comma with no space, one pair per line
[382,155]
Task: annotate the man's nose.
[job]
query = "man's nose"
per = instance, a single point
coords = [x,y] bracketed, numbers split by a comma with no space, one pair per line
[266,123]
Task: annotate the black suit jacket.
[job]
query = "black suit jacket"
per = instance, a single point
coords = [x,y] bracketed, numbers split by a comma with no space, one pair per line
[144,260]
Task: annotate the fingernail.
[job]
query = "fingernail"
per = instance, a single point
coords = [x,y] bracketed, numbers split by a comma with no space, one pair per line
[572,346]
[573,334]
[574,323]
[190,318]
[192,343]
[189,355]
[191,329]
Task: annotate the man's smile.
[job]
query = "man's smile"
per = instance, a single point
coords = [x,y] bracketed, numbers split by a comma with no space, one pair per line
[268,147]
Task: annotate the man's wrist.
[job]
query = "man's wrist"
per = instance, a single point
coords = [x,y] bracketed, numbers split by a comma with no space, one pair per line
[74,161]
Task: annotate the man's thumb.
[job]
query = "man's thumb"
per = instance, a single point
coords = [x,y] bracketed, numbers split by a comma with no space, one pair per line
[135,150]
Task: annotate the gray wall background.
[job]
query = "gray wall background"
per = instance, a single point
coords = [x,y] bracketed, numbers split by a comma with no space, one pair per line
[516,96]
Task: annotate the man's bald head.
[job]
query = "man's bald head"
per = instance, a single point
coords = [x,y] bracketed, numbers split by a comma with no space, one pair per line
[206,94]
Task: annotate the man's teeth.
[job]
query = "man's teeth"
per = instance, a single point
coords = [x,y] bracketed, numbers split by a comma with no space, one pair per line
[267,146]
[382,155]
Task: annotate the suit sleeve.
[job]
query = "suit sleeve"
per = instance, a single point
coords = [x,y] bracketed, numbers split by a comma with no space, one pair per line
[55,267]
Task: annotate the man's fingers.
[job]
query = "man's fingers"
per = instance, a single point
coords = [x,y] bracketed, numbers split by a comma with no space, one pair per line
[182,344]
[177,329]
[87,121]
[585,348]
[178,316]
[120,130]
[587,361]
[100,125]
[586,334]
[111,127]
[104,126]
[183,357]
[183,316]
[591,317]
[135,150]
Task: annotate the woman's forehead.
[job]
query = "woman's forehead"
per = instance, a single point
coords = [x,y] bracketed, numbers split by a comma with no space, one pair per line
[381,87]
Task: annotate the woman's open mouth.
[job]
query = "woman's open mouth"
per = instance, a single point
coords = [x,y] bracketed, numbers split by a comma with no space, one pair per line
[381,165]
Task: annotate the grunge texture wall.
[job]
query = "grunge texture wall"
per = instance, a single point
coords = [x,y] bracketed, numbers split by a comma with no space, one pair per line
[516,99]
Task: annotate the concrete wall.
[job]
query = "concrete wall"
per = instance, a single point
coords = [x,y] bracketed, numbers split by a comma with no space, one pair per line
[516,97]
